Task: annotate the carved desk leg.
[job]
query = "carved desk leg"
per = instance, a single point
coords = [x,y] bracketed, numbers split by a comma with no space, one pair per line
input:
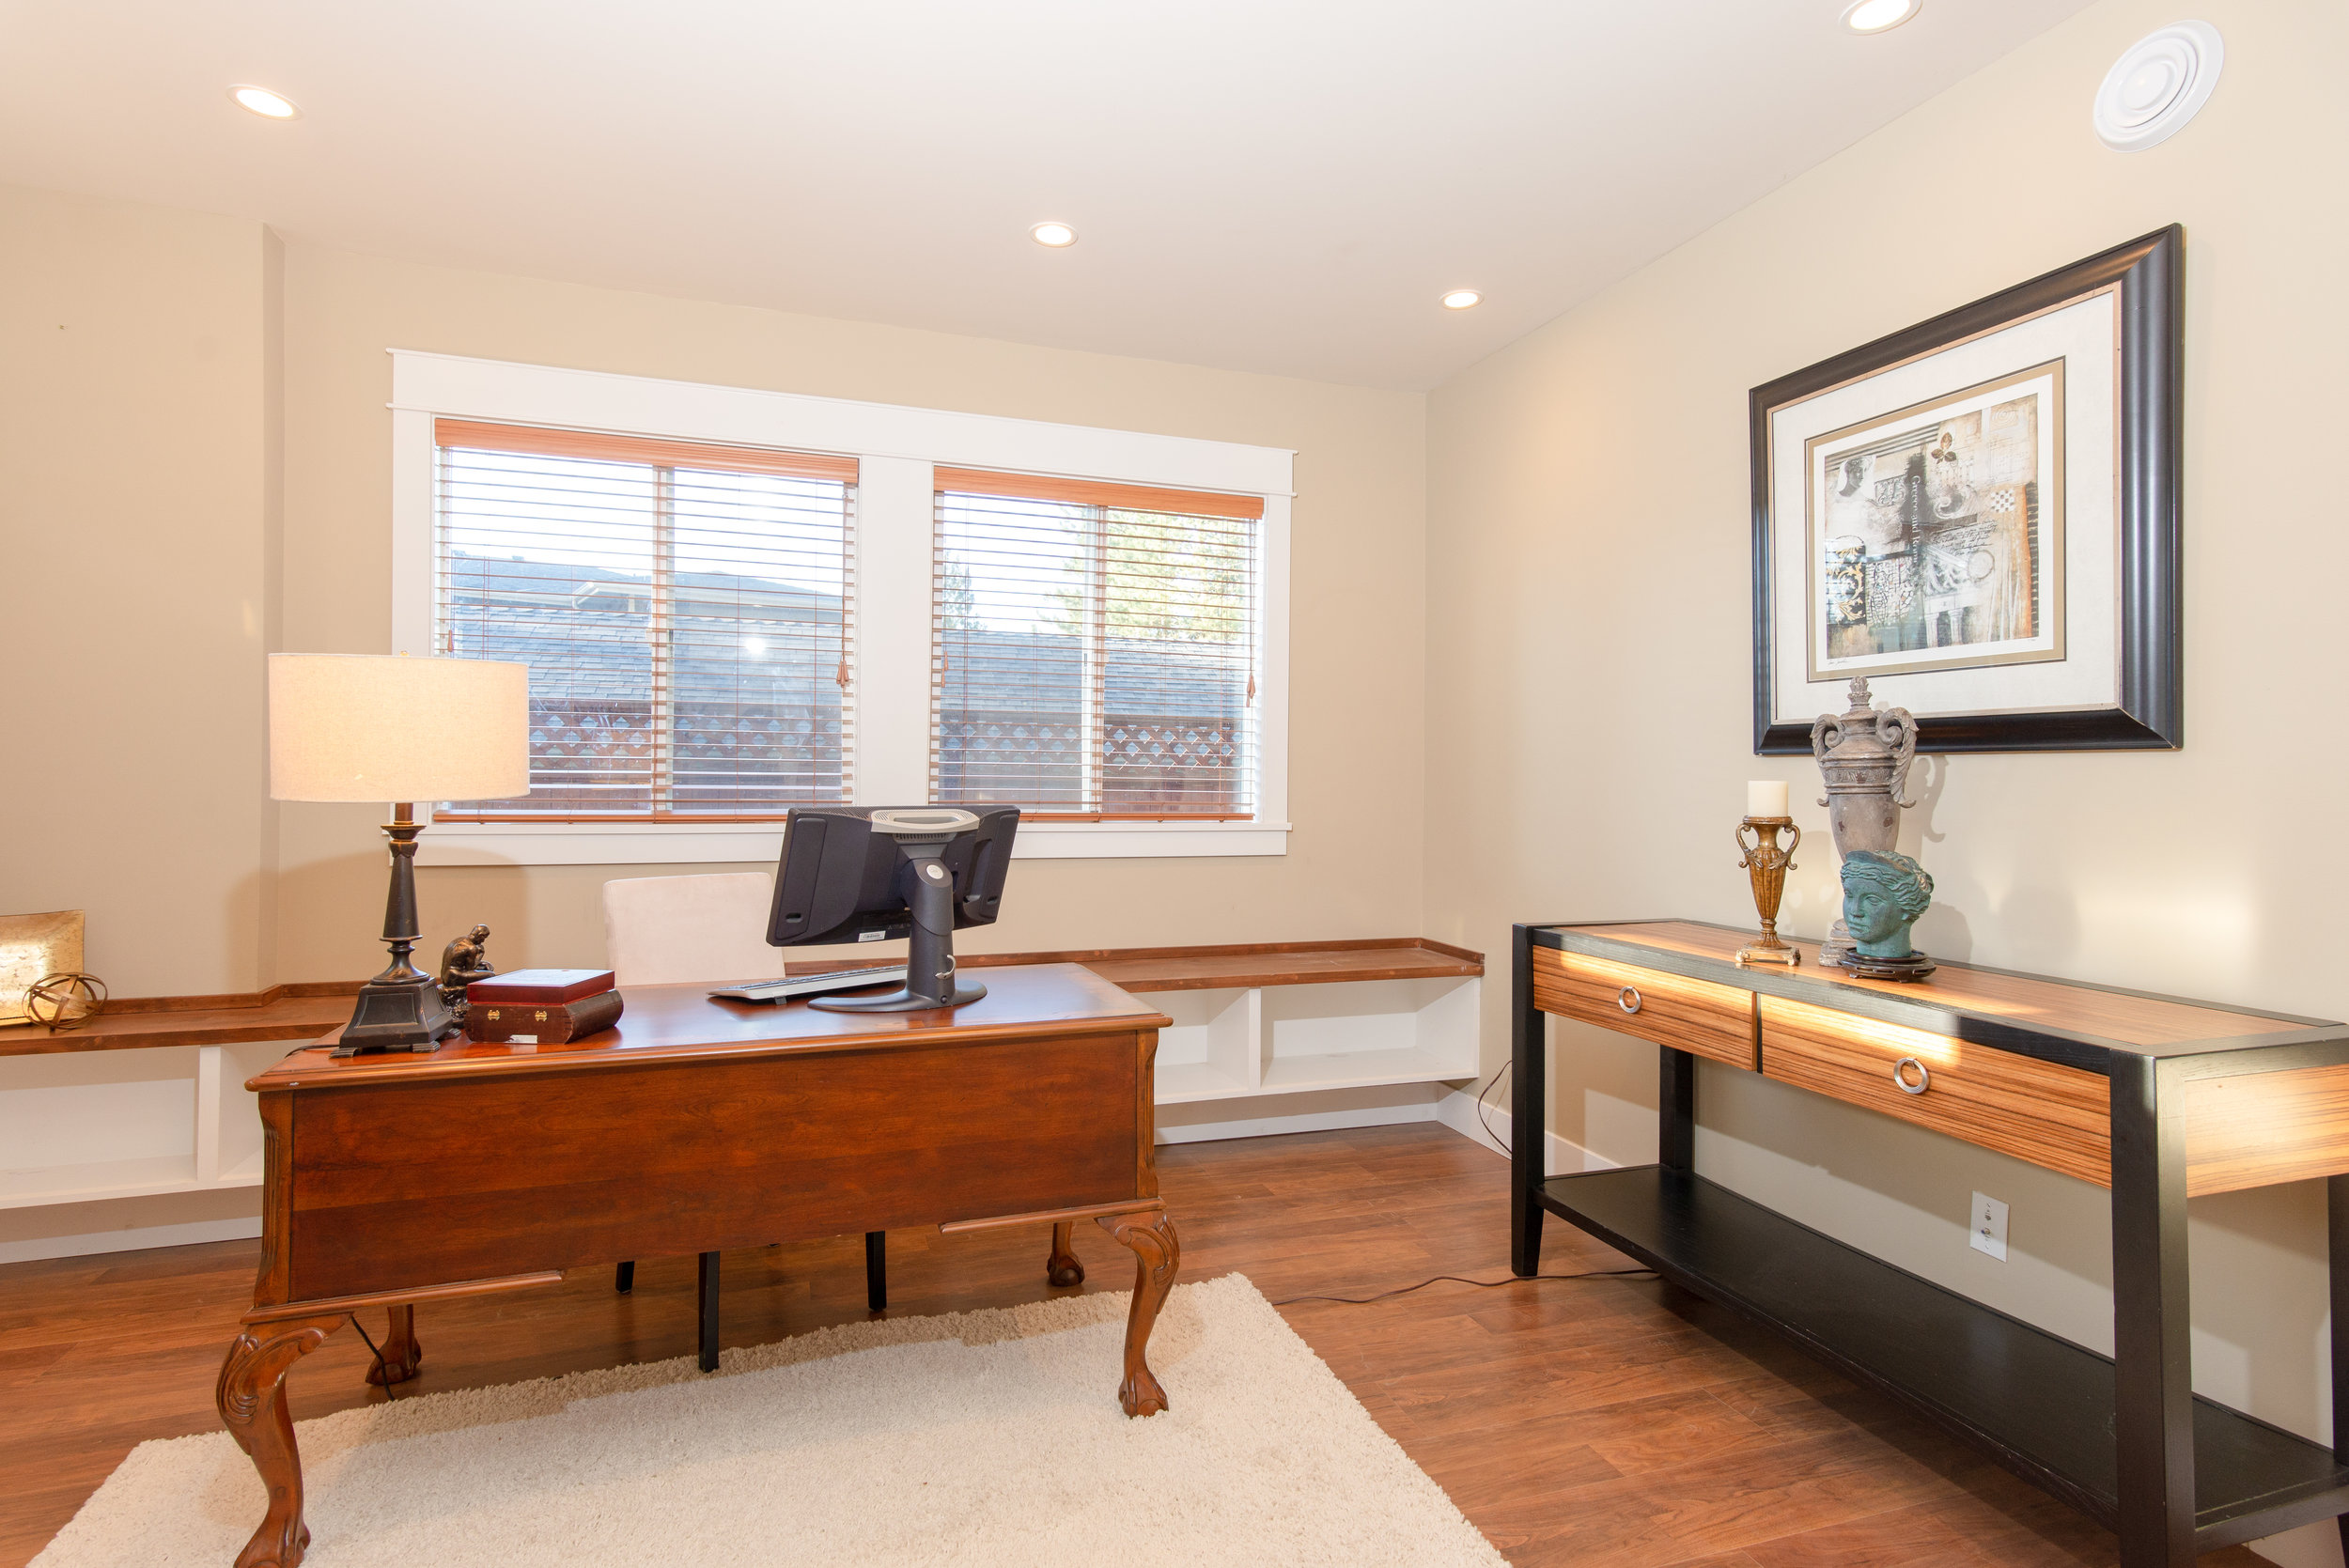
[252,1400]
[402,1355]
[1061,1268]
[1157,1255]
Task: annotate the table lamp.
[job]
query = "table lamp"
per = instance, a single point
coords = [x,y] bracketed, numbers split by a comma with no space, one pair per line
[355,727]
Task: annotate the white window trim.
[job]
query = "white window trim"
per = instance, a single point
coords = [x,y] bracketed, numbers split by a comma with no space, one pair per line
[897,446]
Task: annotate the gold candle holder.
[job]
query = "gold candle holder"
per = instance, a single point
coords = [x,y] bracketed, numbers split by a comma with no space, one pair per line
[1768,865]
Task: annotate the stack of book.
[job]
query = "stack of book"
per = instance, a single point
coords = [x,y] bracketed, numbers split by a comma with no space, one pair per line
[546,1007]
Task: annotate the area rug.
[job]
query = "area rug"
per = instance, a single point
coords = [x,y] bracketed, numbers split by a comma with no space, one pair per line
[972,1438]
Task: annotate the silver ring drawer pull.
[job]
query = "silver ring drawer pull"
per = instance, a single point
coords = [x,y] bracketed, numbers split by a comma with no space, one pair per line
[1900,1076]
[1628,999]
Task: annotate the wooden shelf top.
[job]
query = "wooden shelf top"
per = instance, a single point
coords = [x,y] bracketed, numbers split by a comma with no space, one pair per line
[307,1010]
[1257,964]
[1999,1000]
[296,1012]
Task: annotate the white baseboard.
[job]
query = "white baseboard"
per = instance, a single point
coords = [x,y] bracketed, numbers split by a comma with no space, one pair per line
[130,1239]
[1457,1110]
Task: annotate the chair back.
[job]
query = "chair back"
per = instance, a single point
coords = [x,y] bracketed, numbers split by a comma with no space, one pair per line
[676,931]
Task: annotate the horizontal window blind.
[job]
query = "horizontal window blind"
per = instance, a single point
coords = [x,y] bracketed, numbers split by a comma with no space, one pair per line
[1093,649]
[684,608]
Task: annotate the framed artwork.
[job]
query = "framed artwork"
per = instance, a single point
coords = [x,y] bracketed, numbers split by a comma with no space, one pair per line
[1980,515]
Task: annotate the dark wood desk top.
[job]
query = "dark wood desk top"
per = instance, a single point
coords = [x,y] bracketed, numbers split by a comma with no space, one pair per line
[2010,1008]
[668,1023]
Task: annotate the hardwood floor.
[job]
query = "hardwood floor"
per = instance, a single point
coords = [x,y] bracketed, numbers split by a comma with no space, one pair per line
[1597,1423]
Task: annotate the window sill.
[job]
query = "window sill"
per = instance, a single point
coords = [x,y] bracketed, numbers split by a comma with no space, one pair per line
[446,844]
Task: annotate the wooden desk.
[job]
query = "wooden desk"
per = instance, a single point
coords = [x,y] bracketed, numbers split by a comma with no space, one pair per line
[2155,1097]
[693,1126]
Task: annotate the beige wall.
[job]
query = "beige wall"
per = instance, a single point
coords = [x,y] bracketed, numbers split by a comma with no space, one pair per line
[196,471]
[135,511]
[1356,643]
[194,477]
[1589,629]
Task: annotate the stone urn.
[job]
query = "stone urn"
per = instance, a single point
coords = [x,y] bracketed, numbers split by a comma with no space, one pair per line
[1864,754]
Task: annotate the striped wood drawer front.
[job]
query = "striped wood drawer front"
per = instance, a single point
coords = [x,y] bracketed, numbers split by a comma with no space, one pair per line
[2055,1116]
[2264,1127]
[1699,1016]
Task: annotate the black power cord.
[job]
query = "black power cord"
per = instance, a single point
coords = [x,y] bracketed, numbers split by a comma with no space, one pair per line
[1482,1095]
[378,1356]
[1490,1084]
[1462,1279]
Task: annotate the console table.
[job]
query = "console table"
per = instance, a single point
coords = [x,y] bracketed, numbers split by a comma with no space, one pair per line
[2157,1098]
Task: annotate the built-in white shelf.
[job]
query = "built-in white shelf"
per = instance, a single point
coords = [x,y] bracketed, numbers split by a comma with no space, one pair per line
[1185,1082]
[1361,1069]
[82,1126]
[1243,1044]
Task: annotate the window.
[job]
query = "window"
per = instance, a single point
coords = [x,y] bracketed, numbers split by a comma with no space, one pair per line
[734,601]
[684,609]
[1093,649]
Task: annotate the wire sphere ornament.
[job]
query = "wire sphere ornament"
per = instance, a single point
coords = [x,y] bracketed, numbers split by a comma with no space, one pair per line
[66,1000]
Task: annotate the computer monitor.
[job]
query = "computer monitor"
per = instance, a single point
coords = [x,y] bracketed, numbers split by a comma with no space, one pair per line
[863,872]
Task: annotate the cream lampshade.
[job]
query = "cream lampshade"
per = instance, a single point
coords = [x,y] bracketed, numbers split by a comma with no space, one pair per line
[400,730]
[387,727]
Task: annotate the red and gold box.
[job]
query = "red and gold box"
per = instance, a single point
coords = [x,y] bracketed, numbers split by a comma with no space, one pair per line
[551,1006]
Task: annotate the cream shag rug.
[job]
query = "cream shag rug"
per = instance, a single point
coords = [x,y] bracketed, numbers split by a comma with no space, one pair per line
[974,1438]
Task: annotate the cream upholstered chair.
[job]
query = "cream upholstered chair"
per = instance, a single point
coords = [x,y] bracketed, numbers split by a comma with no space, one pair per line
[681,930]
[705,930]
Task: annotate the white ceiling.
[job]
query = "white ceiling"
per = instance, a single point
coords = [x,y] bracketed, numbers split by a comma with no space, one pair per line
[1281,185]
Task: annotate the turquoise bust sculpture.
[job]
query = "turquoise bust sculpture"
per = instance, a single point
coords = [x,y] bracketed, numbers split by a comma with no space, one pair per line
[1883,895]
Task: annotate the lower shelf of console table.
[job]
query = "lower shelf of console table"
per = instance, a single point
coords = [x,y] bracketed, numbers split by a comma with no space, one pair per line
[2041,1405]
[2154,1098]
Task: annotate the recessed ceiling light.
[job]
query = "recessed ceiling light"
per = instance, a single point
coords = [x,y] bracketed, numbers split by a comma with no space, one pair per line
[262,101]
[1877,16]
[1461,298]
[1055,234]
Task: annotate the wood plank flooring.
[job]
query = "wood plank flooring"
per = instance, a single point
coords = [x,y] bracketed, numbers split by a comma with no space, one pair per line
[1598,1423]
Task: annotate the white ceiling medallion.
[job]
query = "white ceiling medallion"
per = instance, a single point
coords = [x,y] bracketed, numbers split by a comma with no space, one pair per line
[2159,84]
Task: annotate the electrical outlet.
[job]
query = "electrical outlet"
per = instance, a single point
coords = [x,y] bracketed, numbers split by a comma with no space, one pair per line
[1986,1230]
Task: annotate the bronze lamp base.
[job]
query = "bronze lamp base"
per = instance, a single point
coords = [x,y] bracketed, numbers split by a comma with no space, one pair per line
[402,1008]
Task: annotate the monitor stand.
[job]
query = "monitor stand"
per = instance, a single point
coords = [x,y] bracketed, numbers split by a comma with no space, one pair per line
[930,958]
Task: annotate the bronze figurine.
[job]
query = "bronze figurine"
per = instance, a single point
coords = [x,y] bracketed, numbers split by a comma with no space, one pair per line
[462,962]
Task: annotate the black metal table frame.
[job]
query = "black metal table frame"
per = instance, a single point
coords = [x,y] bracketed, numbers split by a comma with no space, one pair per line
[2153,1414]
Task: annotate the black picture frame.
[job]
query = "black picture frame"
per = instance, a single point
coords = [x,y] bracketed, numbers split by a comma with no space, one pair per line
[2150,272]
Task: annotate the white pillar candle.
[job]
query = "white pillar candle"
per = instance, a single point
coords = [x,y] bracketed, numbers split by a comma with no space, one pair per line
[1766,797]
